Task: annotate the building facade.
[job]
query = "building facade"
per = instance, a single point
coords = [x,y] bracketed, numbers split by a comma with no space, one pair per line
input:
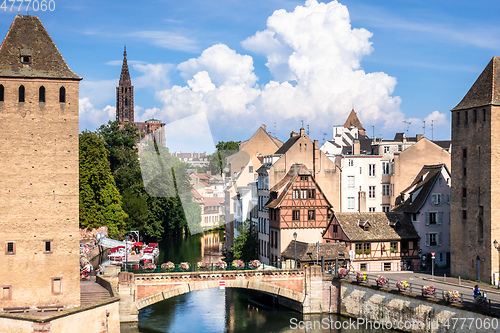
[39,226]
[475,194]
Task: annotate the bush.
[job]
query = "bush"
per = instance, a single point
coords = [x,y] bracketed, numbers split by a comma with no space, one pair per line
[168,266]
[428,290]
[402,285]
[184,266]
[451,295]
[254,264]
[381,281]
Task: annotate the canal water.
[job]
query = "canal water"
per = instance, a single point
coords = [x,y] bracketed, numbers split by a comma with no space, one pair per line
[229,310]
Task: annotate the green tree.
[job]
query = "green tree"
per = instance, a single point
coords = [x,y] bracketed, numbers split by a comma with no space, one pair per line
[246,244]
[217,160]
[100,200]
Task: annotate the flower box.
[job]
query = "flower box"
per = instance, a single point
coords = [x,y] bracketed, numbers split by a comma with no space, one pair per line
[221,265]
[451,296]
[428,290]
[184,266]
[343,272]
[381,281]
[168,266]
[402,285]
[360,277]
[238,264]
[254,264]
[202,265]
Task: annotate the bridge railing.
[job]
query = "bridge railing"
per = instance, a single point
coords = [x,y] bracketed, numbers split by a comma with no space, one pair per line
[423,289]
[210,267]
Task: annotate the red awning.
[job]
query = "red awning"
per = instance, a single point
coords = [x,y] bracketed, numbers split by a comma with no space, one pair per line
[138,244]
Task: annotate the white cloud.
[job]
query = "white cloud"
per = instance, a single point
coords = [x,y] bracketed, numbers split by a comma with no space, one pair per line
[91,117]
[153,75]
[314,57]
[168,40]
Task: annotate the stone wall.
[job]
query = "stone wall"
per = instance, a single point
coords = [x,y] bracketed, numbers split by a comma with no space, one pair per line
[417,314]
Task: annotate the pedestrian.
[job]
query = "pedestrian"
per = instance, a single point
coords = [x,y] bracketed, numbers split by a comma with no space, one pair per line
[99,270]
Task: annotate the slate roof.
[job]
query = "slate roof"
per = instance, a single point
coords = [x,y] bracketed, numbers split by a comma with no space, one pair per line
[353,120]
[288,144]
[329,251]
[486,89]
[282,187]
[379,230]
[445,144]
[28,37]
[424,181]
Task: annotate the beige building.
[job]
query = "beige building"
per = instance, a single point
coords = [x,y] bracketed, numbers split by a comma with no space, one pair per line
[475,194]
[38,171]
[408,163]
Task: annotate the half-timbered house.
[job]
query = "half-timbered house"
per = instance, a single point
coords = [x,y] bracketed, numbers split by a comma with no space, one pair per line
[380,241]
[296,205]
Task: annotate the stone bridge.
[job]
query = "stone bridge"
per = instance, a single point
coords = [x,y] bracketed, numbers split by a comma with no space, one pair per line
[298,289]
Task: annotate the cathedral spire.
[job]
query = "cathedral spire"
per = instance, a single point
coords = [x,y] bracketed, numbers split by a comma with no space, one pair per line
[125,94]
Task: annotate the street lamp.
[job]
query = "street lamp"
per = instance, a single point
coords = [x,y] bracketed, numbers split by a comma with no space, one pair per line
[295,238]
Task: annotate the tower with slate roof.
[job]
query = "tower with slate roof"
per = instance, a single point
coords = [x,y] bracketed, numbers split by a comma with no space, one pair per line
[39,187]
[475,173]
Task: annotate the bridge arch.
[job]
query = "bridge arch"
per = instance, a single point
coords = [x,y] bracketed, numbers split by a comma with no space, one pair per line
[287,285]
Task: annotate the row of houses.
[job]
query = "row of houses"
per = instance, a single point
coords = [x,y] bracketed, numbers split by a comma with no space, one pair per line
[387,201]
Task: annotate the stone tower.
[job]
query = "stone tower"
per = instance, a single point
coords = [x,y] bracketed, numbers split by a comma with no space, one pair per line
[38,171]
[475,173]
[125,95]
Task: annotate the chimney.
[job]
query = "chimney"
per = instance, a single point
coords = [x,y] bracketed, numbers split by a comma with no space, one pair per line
[362,201]
[302,131]
[419,137]
[356,147]
[264,127]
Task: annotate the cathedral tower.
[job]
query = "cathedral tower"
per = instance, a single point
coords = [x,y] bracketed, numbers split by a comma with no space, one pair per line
[125,94]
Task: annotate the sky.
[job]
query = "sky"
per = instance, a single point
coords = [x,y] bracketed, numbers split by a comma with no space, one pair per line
[235,65]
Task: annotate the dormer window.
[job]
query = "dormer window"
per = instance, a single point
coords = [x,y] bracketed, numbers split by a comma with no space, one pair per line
[26,59]
[365,225]
[394,224]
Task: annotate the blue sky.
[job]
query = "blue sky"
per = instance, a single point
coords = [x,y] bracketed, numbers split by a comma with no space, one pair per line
[246,63]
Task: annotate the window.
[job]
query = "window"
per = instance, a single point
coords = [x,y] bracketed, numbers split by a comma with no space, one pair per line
[47,247]
[56,286]
[350,181]
[464,214]
[295,215]
[126,101]
[484,114]
[21,94]
[437,199]
[1,93]
[414,217]
[464,153]
[311,215]
[350,203]
[400,148]
[386,168]
[385,208]
[387,266]
[432,218]
[474,117]
[371,170]
[359,247]
[25,59]
[6,292]
[387,149]
[464,192]
[303,178]
[464,172]
[10,248]
[394,246]
[303,194]
[363,267]
[457,117]
[385,190]
[335,228]
[62,95]
[367,247]
[371,192]
[431,239]
[311,194]
[466,117]
[295,194]
[350,162]
[41,94]
[371,209]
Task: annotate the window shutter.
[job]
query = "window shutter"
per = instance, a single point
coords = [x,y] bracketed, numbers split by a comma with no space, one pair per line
[426,218]
[439,239]
[439,199]
[427,239]
[440,218]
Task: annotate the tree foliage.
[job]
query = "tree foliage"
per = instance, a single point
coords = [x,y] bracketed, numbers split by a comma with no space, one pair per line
[100,200]
[217,160]
[246,244]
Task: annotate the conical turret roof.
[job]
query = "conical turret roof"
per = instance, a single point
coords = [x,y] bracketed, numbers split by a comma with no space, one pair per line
[486,89]
[125,75]
[353,120]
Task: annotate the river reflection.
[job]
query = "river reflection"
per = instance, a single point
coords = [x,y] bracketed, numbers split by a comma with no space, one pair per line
[215,310]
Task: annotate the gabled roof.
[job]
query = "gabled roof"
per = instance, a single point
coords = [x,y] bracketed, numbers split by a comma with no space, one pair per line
[282,187]
[353,121]
[423,182]
[28,37]
[380,228]
[329,251]
[486,89]
[288,144]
